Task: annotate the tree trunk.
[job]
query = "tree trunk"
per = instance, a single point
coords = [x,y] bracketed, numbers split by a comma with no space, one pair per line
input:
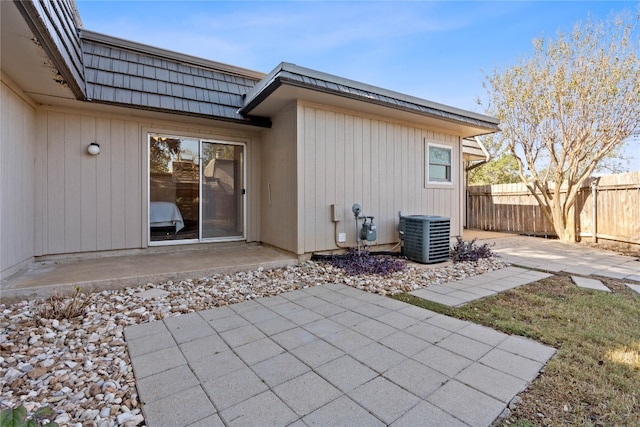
[564,226]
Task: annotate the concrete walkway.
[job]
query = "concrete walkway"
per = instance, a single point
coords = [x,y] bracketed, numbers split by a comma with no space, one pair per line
[327,355]
[461,292]
[555,256]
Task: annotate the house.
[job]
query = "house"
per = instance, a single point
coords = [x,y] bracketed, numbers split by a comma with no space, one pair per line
[109,145]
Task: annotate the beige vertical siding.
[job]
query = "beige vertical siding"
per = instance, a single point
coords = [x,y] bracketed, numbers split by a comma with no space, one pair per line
[346,158]
[278,184]
[17,160]
[90,203]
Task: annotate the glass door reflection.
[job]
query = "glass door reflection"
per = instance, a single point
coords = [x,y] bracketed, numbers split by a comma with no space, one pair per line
[222,190]
[174,185]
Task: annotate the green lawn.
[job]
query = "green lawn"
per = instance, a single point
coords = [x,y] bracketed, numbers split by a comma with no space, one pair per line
[594,378]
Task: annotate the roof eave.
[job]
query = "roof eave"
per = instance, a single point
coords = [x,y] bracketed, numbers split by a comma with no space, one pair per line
[278,77]
[43,33]
[262,122]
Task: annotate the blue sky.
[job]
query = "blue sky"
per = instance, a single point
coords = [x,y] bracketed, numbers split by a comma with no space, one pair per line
[437,50]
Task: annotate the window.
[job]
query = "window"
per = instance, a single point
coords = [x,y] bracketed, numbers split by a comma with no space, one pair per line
[439,168]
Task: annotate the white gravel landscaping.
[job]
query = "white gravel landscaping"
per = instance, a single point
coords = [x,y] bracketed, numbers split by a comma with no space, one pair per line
[80,367]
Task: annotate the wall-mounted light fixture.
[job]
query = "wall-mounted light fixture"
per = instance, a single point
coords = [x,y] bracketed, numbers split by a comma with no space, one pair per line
[94,148]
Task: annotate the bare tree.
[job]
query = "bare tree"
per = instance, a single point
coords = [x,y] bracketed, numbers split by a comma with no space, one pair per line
[573,102]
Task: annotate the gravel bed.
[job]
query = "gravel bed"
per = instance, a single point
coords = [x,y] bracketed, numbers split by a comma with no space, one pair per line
[80,367]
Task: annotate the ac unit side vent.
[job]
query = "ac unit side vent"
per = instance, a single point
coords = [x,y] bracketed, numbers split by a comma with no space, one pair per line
[425,238]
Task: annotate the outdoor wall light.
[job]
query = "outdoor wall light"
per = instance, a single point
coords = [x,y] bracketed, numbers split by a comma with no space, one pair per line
[94,148]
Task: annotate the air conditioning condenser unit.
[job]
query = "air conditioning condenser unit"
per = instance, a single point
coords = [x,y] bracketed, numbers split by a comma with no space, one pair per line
[425,238]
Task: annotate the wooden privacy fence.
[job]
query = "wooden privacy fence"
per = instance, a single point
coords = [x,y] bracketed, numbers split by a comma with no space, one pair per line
[611,203]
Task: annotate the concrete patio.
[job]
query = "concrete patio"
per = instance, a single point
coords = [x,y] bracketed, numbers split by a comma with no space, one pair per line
[327,355]
[44,278]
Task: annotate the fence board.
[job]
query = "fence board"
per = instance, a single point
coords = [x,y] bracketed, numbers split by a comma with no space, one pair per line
[511,208]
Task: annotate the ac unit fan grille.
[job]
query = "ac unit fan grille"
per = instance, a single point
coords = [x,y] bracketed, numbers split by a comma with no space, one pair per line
[426,238]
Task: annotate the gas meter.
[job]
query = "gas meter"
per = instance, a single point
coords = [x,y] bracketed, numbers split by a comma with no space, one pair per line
[368,230]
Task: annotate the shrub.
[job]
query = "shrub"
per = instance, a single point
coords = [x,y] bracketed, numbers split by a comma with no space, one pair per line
[17,417]
[60,307]
[366,263]
[469,251]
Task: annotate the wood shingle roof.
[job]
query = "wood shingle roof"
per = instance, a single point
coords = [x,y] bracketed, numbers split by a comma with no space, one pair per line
[135,75]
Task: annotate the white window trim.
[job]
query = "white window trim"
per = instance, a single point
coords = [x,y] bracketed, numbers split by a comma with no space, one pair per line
[453,171]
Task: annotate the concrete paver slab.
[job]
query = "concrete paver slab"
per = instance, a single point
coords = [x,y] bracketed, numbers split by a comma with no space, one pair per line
[183,408]
[342,365]
[317,353]
[347,340]
[150,343]
[466,347]
[492,382]
[378,357]
[445,322]
[211,421]
[374,329]
[444,299]
[416,378]
[259,314]
[188,327]
[242,335]
[257,351]
[426,414]
[587,283]
[483,334]
[227,323]
[517,366]
[342,412]
[527,348]
[275,325]
[404,343]
[293,338]
[265,409]
[166,383]
[203,347]
[635,288]
[469,405]
[384,399]
[442,360]
[217,313]
[346,373]
[280,369]
[417,312]
[323,327]
[238,386]
[152,293]
[429,333]
[295,393]
[158,361]
[216,365]
[144,329]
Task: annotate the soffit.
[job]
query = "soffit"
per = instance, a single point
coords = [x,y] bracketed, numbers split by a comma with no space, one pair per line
[23,59]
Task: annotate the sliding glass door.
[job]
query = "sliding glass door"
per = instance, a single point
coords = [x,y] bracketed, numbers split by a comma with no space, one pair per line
[196,190]
[222,190]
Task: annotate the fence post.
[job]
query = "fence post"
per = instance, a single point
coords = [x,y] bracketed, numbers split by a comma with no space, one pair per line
[594,210]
